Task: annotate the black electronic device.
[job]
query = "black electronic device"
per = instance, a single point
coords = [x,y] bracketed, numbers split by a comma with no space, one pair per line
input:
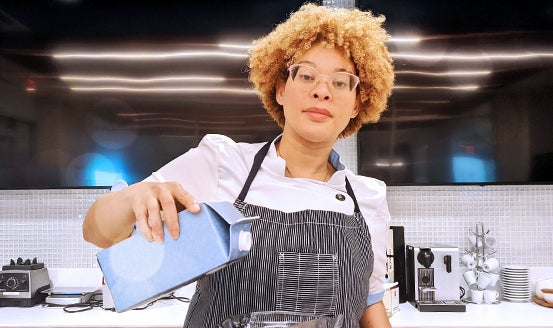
[395,251]
[22,283]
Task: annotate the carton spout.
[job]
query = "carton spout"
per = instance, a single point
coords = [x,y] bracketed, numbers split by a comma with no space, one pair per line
[244,241]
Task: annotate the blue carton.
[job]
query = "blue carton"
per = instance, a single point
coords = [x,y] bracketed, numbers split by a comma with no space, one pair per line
[138,271]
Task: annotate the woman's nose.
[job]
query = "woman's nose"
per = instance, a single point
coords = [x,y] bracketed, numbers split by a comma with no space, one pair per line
[321,90]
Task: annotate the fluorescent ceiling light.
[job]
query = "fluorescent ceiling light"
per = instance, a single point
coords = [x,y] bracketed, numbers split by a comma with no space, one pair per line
[472,57]
[460,88]
[404,39]
[447,73]
[141,80]
[164,90]
[244,46]
[151,55]
[388,164]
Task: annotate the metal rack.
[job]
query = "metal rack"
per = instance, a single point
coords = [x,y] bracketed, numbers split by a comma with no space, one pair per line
[481,242]
[481,250]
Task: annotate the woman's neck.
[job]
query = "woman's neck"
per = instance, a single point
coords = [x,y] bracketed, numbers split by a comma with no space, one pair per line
[306,161]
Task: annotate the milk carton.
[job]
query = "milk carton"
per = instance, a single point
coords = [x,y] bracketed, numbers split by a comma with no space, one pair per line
[138,271]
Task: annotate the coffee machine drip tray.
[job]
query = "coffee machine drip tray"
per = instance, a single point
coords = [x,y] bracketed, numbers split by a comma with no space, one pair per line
[441,306]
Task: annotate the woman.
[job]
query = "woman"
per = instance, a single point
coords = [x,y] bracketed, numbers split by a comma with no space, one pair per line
[321,74]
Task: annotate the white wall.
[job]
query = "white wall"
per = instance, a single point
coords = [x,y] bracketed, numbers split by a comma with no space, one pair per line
[47,223]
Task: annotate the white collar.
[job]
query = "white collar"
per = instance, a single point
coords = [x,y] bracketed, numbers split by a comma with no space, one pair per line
[277,164]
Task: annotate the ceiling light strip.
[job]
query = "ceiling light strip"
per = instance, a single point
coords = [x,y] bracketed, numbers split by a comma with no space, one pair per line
[405,39]
[470,57]
[236,45]
[164,90]
[448,73]
[147,55]
[460,88]
[141,80]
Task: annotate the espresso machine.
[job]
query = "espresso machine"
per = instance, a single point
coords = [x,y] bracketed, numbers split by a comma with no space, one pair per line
[432,281]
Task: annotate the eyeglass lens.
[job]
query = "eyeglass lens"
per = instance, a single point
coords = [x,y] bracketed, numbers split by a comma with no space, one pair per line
[308,77]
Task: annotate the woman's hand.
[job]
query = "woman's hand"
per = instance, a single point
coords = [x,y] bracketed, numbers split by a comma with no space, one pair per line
[113,216]
[154,203]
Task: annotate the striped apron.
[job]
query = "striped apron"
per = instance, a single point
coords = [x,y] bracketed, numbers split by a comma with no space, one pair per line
[311,261]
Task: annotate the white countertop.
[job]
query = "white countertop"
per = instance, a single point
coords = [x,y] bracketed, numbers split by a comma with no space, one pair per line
[504,314]
[163,314]
[171,313]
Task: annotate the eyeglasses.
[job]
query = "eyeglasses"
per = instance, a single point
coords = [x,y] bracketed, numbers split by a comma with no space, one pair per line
[307,77]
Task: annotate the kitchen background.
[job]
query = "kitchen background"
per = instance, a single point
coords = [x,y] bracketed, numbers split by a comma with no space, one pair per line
[494,90]
[47,223]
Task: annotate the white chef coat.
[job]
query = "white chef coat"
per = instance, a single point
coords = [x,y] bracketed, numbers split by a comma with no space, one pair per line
[217,169]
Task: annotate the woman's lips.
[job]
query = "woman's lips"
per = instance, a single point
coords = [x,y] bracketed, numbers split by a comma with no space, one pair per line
[318,114]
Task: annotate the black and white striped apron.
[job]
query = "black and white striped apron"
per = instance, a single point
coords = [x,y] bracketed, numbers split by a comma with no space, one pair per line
[311,261]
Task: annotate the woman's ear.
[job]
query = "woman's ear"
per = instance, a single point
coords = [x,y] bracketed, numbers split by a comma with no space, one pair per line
[280,92]
[356,109]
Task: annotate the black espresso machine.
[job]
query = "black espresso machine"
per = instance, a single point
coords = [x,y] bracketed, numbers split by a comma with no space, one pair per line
[22,283]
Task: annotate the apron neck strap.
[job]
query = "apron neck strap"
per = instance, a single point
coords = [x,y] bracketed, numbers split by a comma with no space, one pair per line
[352,195]
[258,159]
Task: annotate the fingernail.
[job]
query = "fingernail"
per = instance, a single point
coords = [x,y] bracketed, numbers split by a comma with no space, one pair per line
[149,237]
[175,234]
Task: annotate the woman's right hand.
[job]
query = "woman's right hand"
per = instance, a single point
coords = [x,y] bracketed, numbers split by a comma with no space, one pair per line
[149,204]
[154,203]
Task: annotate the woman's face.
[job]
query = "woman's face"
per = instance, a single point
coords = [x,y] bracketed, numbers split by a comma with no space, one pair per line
[318,113]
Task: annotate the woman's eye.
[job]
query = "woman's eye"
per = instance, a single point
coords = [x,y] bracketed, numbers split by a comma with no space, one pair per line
[340,84]
[307,77]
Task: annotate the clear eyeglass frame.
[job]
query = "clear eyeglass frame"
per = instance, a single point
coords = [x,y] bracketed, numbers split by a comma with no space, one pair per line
[307,77]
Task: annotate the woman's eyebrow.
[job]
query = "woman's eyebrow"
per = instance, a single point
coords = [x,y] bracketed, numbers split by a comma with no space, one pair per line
[315,65]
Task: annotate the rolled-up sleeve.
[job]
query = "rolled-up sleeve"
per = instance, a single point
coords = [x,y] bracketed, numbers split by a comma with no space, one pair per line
[378,227]
[196,170]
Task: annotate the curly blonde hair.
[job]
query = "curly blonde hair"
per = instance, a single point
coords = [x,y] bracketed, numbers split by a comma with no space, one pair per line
[358,33]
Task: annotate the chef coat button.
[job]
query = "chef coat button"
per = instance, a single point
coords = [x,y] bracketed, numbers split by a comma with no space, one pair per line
[340,197]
